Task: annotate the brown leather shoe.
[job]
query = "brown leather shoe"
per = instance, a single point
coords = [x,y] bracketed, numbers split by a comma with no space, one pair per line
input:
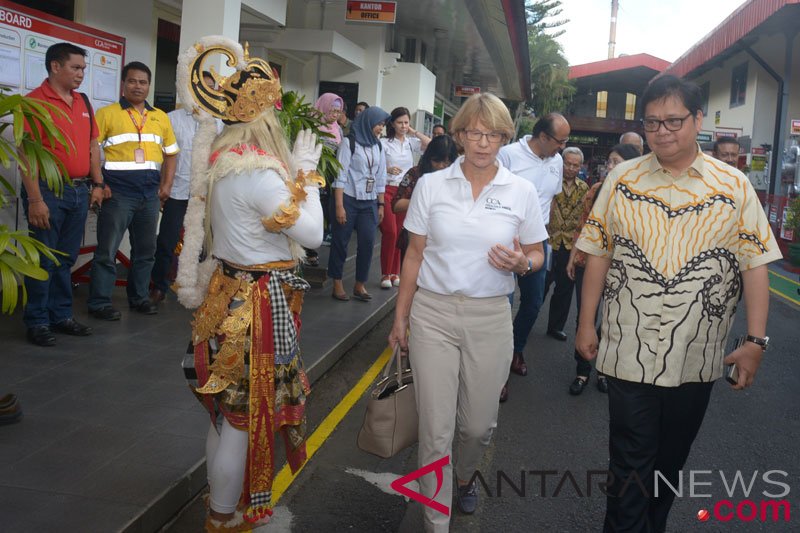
[10,410]
[518,365]
[157,296]
[504,393]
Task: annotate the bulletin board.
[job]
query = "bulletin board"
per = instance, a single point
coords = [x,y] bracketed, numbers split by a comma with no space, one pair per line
[25,36]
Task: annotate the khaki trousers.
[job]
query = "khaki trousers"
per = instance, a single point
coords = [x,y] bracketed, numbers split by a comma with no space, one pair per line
[460,349]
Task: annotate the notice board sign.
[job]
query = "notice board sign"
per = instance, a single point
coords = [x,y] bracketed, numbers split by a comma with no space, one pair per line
[466,90]
[381,12]
[25,36]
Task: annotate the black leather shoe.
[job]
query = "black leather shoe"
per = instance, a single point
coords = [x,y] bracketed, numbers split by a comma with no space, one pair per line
[145,307]
[558,335]
[518,365]
[577,386]
[41,336]
[70,327]
[106,313]
[602,384]
[504,393]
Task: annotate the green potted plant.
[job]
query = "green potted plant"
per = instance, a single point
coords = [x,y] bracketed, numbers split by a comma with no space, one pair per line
[296,114]
[793,222]
[19,252]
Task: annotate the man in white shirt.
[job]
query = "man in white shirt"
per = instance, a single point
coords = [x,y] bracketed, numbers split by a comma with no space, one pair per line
[174,208]
[536,158]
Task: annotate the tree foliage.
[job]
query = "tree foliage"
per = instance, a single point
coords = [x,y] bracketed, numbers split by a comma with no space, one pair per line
[551,88]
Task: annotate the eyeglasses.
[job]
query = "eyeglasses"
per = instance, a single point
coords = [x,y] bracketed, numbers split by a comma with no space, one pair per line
[493,137]
[556,139]
[671,124]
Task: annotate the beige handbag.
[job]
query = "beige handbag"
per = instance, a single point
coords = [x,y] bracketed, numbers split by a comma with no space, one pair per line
[390,423]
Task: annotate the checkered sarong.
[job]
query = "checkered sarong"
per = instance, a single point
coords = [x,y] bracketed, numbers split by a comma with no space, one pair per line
[283,327]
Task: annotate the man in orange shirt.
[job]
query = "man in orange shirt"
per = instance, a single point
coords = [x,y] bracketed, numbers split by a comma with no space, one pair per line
[58,221]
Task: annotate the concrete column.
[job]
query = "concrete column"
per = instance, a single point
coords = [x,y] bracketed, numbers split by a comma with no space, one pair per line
[200,18]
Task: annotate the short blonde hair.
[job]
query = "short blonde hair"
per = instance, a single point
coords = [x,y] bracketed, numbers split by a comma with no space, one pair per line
[487,108]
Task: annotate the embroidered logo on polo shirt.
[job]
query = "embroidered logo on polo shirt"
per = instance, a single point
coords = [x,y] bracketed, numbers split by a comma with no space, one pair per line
[493,204]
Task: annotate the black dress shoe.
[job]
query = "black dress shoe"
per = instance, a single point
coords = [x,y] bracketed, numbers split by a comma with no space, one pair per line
[70,327]
[577,386]
[558,335]
[106,313]
[518,365]
[146,307]
[602,384]
[41,336]
[504,393]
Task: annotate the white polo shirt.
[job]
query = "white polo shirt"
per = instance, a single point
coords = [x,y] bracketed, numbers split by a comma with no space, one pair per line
[545,174]
[185,126]
[400,154]
[460,231]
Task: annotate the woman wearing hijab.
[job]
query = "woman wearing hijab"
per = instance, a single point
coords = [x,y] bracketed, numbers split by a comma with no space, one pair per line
[331,109]
[330,106]
[358,200]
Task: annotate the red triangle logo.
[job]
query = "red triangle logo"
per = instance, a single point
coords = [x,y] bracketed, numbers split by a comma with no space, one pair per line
[437,466]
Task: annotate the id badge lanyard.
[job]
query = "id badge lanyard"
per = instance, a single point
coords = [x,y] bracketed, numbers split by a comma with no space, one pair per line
[370,176]
[138,154]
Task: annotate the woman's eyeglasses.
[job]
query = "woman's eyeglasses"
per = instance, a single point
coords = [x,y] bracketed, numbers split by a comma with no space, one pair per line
[493,137]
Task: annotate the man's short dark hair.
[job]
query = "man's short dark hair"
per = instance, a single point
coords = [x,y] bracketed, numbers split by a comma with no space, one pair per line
[726,140]
[545,125]
[439,126]
[136,65]
[60,52]
[366,105]
[689,93]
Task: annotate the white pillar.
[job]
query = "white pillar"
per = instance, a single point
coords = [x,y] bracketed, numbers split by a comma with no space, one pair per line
[200,18]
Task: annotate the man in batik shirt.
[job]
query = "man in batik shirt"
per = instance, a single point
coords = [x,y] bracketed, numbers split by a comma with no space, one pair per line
[674,238]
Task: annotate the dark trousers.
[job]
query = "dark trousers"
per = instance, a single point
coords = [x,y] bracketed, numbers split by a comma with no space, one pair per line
[169,232]
[50,300]
[561,300]
[362,216]
[651,429]
[139,216]
[531,296]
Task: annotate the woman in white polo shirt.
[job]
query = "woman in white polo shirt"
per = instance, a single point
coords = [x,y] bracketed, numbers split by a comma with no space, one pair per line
[471,227]
[401,144]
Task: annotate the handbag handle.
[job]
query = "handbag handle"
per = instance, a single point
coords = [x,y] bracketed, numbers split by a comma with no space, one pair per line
[397,360]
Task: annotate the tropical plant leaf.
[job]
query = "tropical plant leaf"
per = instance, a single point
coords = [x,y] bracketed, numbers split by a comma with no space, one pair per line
[20,266]
[9,284]
[32,124]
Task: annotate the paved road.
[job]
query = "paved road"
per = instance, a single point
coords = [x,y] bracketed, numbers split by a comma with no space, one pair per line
[542,428]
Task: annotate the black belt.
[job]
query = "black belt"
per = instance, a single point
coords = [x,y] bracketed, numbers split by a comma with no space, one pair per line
[81,181]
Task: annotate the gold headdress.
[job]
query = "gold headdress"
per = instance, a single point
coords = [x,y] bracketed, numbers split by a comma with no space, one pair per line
[242,96]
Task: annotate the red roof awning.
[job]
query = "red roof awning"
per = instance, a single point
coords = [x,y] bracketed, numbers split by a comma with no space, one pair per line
[617,64]
[734,28]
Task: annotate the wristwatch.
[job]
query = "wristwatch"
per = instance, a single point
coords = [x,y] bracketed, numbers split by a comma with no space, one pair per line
[101,185]
[528,270]
[763,342]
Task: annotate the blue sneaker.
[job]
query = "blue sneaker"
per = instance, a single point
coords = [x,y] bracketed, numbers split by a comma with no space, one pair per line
[467,497]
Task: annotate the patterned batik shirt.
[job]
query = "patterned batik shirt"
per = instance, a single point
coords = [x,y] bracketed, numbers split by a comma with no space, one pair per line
[565,214]
[677,247]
